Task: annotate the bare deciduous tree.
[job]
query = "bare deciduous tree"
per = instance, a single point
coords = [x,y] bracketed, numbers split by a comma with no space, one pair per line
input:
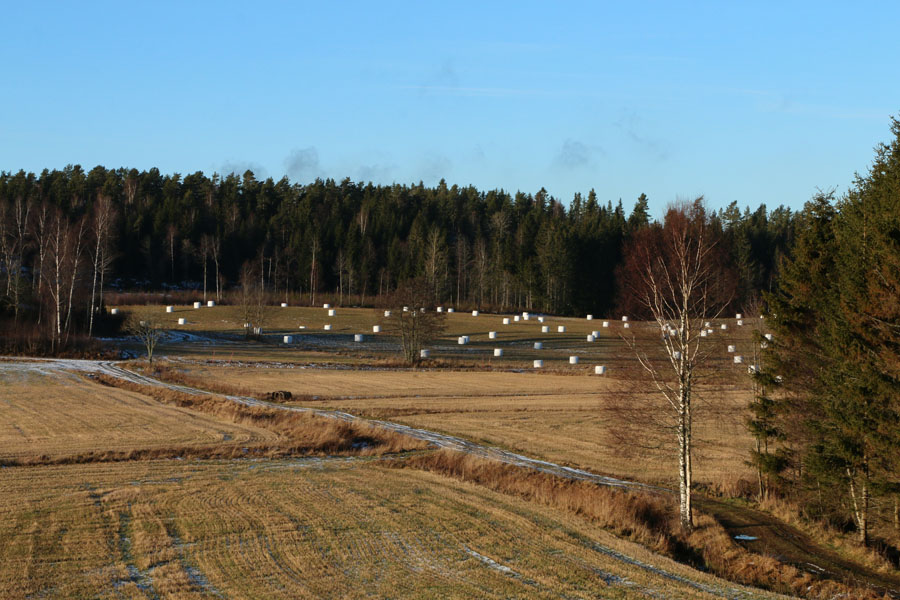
[206,250]
[63,243]
[436,262]
[101,224]
[147,328]
[676,272]
[252,299]
[415,327]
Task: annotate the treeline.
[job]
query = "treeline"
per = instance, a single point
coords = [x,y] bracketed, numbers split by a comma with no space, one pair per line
[66,235]
[827,412]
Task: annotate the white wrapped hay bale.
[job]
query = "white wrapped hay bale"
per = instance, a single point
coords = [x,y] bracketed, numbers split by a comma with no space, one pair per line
[327,327]
[606,323]
[731,349]
[114,311]
[450,310]
[540,319]
[590,317]
[768,336]
[538,346]
[738,359]
[703,333]
[498,352]
[526,316]
[545,329]
[561,329]
[740,322]
[506,320]
[182,321]
[590,337]
[723,327]
[376,328]
[170,309]
[331,312]
[573,360]
[538,364]
[288,339]
[492,335]
[387,313]
[424,353]
[600,370]
[326,306]
[474,313]
[197,305]
[626,325]
[440,309]
[624,318]
[596,334]
[284,305]
[516,318]
[738,316]
[357,337]
[210,303]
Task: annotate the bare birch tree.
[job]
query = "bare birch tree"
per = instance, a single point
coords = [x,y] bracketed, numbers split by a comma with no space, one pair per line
[63,252]
[436,262]
[101,225]
[147,328]
[676,272]
[206,249]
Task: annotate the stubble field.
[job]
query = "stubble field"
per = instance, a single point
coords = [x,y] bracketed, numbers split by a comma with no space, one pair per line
[349,526]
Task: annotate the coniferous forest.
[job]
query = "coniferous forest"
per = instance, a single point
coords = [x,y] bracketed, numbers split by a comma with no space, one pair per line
[825,413]
[355,242]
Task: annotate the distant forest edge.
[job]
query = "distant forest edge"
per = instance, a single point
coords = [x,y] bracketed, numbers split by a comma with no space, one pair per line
[351,241]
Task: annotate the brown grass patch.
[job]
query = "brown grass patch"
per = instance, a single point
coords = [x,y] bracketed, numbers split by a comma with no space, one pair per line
[649,519]
[299,433]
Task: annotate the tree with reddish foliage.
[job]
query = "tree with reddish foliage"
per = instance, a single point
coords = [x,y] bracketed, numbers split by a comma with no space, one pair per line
[676,274]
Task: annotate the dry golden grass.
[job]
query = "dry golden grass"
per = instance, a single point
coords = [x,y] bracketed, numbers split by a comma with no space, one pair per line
[298,433]
[572,420]
[304,529]
[650,519]
[53,417]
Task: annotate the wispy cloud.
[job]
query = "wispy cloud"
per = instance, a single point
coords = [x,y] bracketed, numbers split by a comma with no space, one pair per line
[480,91]
[376,173]
[239,167]
[575,155]
[630,123]
[783,102]
[434,167]
[302,164]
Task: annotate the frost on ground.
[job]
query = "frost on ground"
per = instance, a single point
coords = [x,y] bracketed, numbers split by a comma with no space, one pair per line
[55,366]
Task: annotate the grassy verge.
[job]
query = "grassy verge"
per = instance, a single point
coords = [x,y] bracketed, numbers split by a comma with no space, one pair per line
[299,434]
[649,519]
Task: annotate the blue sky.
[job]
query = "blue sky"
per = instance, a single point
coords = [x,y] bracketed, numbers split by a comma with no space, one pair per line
[753,102]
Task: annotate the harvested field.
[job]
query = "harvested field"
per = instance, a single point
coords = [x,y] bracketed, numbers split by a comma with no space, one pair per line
[307,528]
[61,415]
[218,332]
[568,419]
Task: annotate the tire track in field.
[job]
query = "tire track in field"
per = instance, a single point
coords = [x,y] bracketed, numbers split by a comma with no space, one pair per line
[438,440]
